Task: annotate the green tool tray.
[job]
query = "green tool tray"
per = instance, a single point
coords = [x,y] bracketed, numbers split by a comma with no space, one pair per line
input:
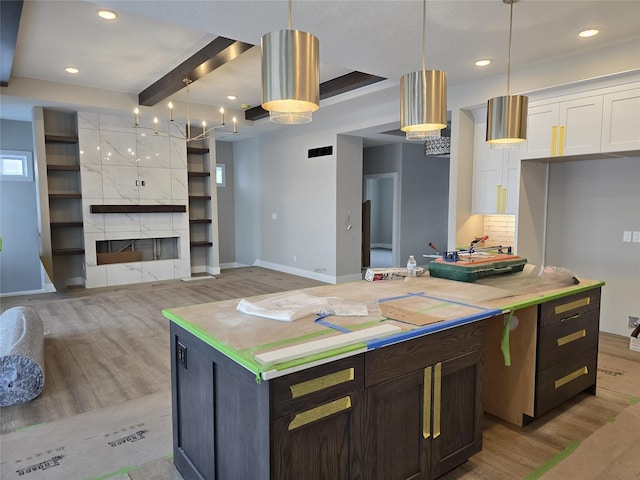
[470,271]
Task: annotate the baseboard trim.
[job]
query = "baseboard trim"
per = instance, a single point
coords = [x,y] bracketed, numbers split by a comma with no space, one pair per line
[321,277]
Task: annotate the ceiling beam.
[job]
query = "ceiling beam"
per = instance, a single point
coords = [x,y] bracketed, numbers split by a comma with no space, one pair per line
[345,83]
[220,51]
[10,13]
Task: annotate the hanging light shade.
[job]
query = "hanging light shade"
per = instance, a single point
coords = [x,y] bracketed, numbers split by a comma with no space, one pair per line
[507,119]
[423,97]
[290,75]
[423,103]
[507,115]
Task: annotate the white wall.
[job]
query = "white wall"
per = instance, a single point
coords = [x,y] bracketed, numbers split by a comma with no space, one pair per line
[226,205]
[20,270]
[591,203]
[348,208]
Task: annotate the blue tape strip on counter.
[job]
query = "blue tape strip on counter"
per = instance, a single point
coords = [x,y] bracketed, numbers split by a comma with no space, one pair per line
[321,321]
[434,327]
[440,299]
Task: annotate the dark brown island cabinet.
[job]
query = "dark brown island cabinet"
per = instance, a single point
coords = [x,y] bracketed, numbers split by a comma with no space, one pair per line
[410,410]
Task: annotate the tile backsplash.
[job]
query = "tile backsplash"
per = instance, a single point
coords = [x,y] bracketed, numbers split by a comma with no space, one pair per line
[501,229]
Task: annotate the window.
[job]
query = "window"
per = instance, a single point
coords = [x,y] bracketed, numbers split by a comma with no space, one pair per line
[220,177]
[16,166]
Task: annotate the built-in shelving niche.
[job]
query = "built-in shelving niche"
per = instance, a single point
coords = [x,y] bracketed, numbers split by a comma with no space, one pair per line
[136,250]
[65,205]
[199,168]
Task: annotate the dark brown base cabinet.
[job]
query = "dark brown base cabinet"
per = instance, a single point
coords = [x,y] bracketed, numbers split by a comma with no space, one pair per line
[410,410]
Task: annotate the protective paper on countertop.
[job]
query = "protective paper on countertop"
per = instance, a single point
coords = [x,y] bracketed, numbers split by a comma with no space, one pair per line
[295,305]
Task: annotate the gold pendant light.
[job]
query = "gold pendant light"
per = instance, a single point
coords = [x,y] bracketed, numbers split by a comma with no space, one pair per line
[423,97]
[507,115]
[290,75]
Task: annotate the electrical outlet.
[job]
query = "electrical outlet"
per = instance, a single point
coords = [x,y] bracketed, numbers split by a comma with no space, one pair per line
[633,321]
[181,353]
[295,258]
[636,237]
[626,236]
[274,216]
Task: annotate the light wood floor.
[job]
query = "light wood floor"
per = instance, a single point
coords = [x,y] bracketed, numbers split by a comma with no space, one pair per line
[106,346]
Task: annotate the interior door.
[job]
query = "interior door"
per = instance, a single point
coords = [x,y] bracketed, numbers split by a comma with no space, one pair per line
[366,234]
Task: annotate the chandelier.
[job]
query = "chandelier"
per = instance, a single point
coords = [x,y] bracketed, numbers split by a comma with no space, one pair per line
[176,131]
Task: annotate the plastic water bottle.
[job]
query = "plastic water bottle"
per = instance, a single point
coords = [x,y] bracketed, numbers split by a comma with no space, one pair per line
[411,266]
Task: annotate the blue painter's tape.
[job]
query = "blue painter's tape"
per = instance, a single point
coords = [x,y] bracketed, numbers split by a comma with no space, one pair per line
[381,342]
[321,320]
[400,297]
[440,299]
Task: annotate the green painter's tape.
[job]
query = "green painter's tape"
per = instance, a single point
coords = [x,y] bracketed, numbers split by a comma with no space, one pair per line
[31,427]
[372,323]
[223,348]
[122,471]
[569,449]
[551,296]
[504,343]
[286,341]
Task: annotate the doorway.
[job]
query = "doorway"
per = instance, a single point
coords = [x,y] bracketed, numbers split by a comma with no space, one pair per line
[382,191]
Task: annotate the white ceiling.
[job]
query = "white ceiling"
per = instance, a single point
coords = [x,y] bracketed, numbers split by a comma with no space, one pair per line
[149,38]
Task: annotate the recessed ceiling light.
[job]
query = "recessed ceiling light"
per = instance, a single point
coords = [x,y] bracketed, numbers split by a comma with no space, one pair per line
[232,97]
[245,106]
[590,32]
[72,70]
[107,14]
[482,62]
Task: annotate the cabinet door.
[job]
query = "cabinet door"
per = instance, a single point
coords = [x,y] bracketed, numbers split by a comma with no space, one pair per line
[511,181]
[457,412]
[496,177]
[487,174]
[570,127]
[580,123]
[541,141]
[316,443]
[621,121]
[396,430]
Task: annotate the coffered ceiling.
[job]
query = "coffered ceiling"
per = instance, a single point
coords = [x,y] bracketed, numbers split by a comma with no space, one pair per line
[150,38]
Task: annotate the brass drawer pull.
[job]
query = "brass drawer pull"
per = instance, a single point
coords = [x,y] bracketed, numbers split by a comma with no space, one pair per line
[320,383]
[572,337]
[571,377]
[437,393]
[572,317]
[565,307]
[303,418]
[426,403]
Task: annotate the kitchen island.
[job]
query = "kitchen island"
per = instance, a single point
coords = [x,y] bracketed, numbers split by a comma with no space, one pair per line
[404,403]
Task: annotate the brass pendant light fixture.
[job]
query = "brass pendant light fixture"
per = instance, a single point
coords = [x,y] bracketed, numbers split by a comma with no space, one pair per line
[507,115]
[290,75]
[423,97]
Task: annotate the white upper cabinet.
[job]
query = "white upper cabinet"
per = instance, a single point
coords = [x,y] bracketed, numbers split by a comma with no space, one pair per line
[621,121]
[570,127]
[496,173]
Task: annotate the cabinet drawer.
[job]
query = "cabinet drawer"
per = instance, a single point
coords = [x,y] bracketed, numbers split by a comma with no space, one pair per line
[559,341]
[559,383]
[308,388]
[408,356]
[565,308]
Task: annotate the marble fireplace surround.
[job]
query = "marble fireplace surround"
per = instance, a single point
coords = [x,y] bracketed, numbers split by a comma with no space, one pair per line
[134,186]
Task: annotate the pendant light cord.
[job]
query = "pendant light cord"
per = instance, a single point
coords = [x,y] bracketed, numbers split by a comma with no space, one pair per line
[424,34]
[290,15]
[509,56]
